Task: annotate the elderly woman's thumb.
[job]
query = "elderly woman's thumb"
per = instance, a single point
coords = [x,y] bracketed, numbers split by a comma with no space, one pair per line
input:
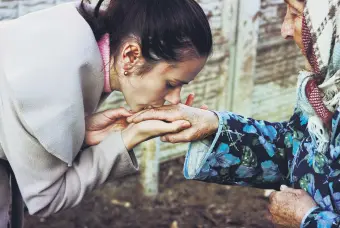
[285,188]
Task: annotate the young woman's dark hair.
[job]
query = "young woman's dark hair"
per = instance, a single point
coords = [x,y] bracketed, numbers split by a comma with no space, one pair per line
[167,30]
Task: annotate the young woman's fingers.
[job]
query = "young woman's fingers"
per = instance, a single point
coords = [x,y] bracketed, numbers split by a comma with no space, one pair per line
[183,136]
[116,113]
[103,119]
[172,127]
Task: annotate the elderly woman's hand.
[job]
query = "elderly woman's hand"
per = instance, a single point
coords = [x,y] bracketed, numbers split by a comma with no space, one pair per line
[99,125]
[203,122]
[289,206]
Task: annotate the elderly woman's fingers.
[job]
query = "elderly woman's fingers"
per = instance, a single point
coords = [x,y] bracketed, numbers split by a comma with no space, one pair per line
[204,107]
[116,113]
[283,187]
[190,99]
[289,206]
[296,192]
[272,196]
[167,113]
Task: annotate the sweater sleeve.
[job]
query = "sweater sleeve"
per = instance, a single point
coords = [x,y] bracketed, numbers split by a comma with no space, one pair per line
[48,184]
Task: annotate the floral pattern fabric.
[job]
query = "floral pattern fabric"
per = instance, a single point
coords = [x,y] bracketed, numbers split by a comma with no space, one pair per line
[261,154]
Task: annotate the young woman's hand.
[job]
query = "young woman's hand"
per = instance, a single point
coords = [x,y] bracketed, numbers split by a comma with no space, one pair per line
[203,122]
[99,125]
[136,133]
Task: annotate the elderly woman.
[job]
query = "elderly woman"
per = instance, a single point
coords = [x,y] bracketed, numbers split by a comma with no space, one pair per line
[302,153]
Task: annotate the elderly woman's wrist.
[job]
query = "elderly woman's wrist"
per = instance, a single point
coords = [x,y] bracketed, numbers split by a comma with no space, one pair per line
[213,123]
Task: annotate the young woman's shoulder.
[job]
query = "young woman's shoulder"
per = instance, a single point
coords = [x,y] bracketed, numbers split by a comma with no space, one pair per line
[50,44]
[60,28]
[44,56]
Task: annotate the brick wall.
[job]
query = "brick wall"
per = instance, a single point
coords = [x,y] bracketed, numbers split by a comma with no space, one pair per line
[277,65]
[10,9]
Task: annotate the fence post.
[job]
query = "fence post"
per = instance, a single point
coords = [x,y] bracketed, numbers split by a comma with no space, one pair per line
[241,29]
[150,167]
[230,16]
[248,28]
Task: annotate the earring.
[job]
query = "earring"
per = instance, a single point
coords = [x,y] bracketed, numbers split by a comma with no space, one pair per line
[125,73]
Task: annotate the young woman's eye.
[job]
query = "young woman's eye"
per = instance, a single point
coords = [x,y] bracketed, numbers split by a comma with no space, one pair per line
[170,86]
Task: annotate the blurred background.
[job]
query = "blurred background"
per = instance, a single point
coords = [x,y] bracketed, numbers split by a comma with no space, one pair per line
[252,72]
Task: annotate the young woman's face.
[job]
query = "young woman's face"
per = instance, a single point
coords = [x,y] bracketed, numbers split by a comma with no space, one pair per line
[162,83]
[292,25]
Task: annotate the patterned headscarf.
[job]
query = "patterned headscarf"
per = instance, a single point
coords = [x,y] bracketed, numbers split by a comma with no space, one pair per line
[319,91]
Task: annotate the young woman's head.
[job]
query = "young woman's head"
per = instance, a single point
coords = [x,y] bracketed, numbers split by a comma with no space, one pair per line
[156,47]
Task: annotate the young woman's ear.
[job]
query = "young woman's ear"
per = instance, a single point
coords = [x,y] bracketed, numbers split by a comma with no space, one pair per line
[131,56]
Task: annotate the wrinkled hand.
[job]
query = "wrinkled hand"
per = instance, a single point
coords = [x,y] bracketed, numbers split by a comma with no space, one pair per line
[99,125]
[203,122]
[289,206]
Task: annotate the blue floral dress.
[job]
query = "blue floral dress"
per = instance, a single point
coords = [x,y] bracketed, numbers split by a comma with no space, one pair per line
[265,155]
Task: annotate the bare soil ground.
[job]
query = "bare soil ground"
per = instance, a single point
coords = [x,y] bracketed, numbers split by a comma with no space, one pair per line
[180,204]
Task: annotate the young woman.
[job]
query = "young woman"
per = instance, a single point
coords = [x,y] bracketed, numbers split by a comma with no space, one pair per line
[56,64]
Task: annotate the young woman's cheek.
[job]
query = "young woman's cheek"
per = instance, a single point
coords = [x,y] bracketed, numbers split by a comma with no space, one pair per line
[156,93]
[161,92]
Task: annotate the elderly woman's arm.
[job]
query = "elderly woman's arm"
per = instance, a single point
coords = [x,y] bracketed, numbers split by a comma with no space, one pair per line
[236,150]
[244,151]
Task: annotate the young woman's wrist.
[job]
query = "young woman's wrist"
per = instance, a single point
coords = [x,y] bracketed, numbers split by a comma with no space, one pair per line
[128,138]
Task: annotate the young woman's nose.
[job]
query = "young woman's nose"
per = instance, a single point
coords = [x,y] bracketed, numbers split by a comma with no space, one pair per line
[174,96]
